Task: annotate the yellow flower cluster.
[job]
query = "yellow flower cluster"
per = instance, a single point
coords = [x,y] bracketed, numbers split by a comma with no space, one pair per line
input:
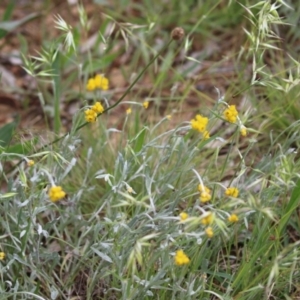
[56,193]
[98,108]
[199,123]
[205,193]
[232,191]
[91,114]
[183,216]
[181,258]
[233,218]
[243,131]
[30,163]
[231,114]
[128,111]
[2,255]
[208,219]
[146,104]
[97,82]
[209,232]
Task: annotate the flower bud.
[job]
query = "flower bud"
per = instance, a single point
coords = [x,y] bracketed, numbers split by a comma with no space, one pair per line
[177,33]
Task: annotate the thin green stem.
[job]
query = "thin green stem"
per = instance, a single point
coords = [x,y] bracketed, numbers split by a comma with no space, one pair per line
[132,84]
[107,109]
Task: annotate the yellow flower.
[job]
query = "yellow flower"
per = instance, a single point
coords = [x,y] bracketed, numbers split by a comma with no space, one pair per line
[169,117]
[129,189]
[181,258]
[30,163]
[233,218]
[98,108]
[98,82]
[101,82]
[232,191]
[199,123]
[208,219]
[128,111]
[56,193]
[183,216]
[243,131]
[203,188]
[206,135]
[231,114]
[205,197]
[146,104]
[91,84]
[90,115]
[2,255]
[209,232]
[205,193]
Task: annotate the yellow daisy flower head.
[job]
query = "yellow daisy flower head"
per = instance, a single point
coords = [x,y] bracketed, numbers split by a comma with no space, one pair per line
[232,192]
[181,258]
[90,115]
[205,197]
[30,163]
[56,193]
[199,123]
[2,255]
[98,108]
[231,114]
[169,117]
[91,84]
[205,193]
[146,104]
[101,82]
[97,82]
[208,219]
[209,232]
[183,216]
[233,218]
[128,111]
[243,131]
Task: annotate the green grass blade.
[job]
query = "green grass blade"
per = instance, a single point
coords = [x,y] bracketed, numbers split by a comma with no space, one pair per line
[12,25]
[6,133]
[139,141]
[6,16]
[291,207]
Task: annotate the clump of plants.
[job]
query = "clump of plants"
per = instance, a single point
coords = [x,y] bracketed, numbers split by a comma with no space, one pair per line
[198,208]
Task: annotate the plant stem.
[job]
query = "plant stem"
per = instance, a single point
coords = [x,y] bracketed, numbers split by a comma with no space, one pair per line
[107,109]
